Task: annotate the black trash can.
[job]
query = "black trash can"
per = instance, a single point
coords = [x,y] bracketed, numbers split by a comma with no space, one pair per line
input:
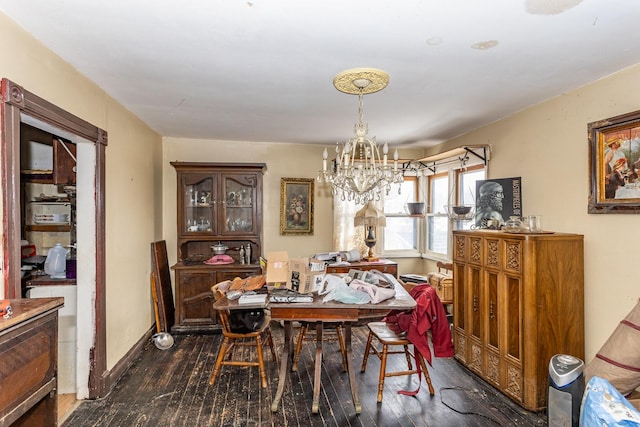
[566,387]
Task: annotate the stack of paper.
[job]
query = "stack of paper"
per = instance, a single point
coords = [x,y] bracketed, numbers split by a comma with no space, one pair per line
[252,299]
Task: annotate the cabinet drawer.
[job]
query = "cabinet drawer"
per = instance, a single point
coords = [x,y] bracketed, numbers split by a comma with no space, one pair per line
[29,362]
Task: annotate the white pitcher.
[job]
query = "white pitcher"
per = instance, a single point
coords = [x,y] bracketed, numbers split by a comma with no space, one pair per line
[56,262]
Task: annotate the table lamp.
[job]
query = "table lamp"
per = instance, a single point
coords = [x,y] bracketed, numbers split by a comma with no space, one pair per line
[370,217]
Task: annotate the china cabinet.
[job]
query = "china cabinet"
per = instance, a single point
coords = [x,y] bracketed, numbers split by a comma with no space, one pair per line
[218,203]
[519,300]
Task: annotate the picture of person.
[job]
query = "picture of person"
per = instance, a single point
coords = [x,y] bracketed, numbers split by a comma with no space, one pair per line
[489,205]
[614,154]
[614,178]
[616,168]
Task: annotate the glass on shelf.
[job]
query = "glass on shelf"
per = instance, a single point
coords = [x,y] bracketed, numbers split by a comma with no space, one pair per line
[188,197]
[205,225]
[196,198]
[198,193]
[202,224]
[192,225]
[237,194]
[240,199]
[239,224]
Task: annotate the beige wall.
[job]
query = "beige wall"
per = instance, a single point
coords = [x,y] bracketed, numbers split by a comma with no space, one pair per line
[133,181]
[547,146]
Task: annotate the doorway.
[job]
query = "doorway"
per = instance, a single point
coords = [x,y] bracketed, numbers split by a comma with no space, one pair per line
[20,106]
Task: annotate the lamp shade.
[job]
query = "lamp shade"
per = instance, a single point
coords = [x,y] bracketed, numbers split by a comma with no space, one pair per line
[370,215]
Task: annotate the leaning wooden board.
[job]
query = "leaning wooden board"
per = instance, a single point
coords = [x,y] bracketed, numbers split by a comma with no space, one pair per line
[161,287]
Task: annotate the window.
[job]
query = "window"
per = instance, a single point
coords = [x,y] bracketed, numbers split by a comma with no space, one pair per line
[460,184]
[467,183]
[437,220]
[401,232]
[440,180]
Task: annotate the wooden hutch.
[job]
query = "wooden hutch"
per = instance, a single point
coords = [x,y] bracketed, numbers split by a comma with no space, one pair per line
[217,203]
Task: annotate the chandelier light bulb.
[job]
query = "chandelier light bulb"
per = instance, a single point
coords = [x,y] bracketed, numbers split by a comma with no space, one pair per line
[395,161]
[325,155]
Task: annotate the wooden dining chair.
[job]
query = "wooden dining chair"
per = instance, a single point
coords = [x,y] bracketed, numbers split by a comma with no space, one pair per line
[258,339]
[302,335]
[390,341]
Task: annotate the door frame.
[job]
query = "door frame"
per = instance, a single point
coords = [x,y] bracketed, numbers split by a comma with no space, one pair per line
[16,103]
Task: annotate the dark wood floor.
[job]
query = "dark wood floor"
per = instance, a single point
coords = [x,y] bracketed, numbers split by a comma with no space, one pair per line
[171,388]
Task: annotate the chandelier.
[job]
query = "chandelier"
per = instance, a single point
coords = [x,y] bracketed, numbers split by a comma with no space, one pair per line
[360,172]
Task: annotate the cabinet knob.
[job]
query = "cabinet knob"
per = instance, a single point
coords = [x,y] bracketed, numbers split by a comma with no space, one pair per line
[491,314]
[475,303]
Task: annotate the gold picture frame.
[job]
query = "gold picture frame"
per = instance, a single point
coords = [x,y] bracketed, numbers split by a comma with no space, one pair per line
[614,164]
[296,206]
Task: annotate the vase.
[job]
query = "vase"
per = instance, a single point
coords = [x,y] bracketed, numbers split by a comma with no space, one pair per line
[513,224]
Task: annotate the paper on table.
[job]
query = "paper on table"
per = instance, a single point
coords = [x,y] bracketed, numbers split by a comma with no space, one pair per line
[252,299]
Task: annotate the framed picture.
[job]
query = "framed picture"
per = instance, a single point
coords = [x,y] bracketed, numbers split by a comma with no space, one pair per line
[296,206]
[614,164]
[496,201]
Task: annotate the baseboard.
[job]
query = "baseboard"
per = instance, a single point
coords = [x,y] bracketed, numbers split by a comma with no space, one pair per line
[125,363]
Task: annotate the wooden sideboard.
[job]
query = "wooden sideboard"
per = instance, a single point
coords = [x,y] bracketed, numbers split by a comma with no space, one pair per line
[194,301]
[519,300]
[29,363]
[382,265]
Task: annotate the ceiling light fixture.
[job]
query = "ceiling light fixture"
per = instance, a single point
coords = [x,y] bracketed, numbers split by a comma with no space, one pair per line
[360,172]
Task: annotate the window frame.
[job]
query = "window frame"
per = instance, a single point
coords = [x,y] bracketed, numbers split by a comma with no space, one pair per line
[454,196]
[419,227]
[433,212]
[454,163]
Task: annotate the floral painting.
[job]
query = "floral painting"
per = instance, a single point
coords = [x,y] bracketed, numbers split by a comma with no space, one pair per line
[296,206]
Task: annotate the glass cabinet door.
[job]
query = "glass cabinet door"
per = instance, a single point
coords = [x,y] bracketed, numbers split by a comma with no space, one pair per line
[198,202]
[238,216]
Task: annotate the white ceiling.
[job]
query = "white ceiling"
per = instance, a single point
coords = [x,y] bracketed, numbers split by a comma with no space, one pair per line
[262,70]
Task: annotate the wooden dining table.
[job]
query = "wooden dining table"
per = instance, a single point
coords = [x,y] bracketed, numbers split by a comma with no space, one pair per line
[320,312]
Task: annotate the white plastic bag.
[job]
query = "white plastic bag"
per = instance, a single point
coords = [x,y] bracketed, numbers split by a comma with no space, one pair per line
[336,289]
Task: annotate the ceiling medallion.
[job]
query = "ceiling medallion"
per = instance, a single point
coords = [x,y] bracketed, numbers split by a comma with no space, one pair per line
[363,81]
